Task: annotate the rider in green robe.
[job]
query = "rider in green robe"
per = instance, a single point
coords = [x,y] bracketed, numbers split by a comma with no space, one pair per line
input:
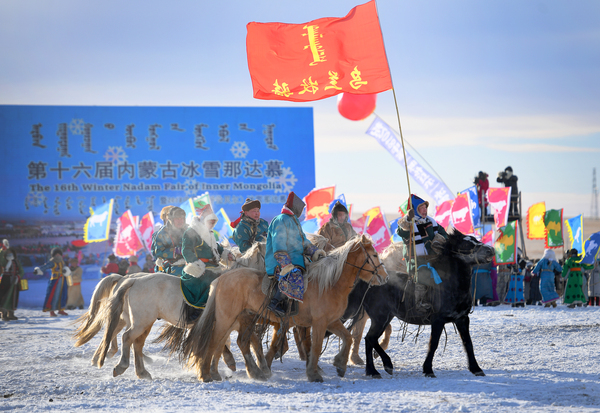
[249,227]
[572,271]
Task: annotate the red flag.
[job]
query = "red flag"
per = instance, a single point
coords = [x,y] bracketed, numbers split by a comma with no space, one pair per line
[379,232]
[461,214]
[147,229]
[128,240]
[358,224]
[318,59]
[499,199]
[443,212]
[488,238]
[317,202]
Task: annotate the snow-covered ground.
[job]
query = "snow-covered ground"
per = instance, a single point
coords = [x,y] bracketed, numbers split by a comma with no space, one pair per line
[535,359]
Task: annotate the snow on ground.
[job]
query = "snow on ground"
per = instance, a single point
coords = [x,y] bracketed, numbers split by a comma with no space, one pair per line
[535,359]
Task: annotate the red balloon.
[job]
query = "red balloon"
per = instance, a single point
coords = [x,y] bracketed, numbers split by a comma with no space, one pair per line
[356,107]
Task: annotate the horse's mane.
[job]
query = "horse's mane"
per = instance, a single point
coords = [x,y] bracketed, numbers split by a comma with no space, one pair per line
[318,240]
[327,271]
[254,257]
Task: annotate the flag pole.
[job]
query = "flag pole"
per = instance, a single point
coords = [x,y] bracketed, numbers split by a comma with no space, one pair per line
[412,238]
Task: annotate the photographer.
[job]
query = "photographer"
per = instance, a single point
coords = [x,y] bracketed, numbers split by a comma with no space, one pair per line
[482,184]
[507,178]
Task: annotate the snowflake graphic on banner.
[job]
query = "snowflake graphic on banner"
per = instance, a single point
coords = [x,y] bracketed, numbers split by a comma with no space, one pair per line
[35,198]
[286,180]
[76,126]
[239,149]
[115,154]
[191,186]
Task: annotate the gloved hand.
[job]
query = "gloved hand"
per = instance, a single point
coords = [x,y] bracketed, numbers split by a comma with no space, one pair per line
[296,271]
[38,271]
[317,255]
[6,243]
[410,214]
[66,271]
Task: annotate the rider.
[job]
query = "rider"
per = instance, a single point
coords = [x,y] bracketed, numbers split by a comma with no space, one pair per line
[572,271]
[166,243]
[286,247]
[425,230]
[249,227]
[202,253]
[338,230]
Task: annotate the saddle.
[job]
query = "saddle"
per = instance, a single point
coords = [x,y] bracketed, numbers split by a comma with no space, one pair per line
[268,289]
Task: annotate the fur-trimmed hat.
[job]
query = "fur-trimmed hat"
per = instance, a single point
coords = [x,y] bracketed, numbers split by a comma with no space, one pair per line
[337,208]
[175,211]
[133,258]
[414,203]
[250,204]
[164,213]
[508,168]
[56,251]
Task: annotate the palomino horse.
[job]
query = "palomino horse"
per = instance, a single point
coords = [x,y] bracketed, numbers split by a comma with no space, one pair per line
[330,280]
[451,301]
[137,314]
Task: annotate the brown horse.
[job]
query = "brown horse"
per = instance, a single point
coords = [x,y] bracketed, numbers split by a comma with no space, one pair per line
[238,292]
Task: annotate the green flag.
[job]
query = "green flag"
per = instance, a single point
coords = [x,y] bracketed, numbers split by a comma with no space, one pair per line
[506,244]
[553,223]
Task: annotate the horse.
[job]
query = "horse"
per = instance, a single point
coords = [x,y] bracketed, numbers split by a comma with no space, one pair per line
[152,297]
[329,281]
[451,301]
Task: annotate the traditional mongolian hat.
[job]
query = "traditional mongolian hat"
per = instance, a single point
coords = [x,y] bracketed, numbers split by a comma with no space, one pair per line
[295,204]
[56,251]
[414,203]
[250,204]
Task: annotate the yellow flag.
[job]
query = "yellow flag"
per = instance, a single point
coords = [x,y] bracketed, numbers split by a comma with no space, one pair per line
[535,221]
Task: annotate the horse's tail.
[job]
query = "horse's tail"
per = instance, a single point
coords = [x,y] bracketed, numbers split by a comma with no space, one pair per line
[198,339]
[111,314]
[90,322]
[174,335]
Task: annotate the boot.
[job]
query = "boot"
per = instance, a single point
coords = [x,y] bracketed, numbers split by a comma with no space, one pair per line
[421,306]
[5,316]
[277,304]
[53,314]
[554,304]
[11,316]
[547,305]
[61,312]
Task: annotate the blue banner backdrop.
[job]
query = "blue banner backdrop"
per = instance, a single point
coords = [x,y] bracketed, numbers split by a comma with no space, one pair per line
[58,161]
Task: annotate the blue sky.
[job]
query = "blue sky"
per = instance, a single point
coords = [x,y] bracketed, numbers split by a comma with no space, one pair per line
[480,85]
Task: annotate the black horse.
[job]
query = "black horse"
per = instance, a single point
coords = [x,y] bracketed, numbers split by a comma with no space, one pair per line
[450,300]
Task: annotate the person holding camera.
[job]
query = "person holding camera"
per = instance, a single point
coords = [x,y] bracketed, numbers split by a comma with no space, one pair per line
[507,178]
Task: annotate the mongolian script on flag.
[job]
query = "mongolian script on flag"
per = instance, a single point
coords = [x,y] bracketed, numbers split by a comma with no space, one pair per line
[499,200]
[318,59]
[535,221]
[128,240]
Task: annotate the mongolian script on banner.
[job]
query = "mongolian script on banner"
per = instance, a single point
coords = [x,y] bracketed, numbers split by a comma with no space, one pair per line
[387,138]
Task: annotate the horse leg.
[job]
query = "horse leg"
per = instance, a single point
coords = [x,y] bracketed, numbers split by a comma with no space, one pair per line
[252,369]
[214,365]
[357,332]
[209,363]
[259,354]
[114,344]
[127,340]
[138,346]
[228,356]
[462,325]
[437,326]
[372,343]
[318,334]
[283,346]
[299,333]
[341,359]
[276,344]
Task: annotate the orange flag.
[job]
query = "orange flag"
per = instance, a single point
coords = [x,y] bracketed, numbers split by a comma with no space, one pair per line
[318,59]
[317,202]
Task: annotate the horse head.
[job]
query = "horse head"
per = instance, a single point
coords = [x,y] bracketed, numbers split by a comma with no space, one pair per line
[468,249]
[364,257]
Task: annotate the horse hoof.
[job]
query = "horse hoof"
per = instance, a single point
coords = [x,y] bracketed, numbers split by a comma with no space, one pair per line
[374,376]
[231,367]
[207,379]
[432,375]
[117,371]
[389,370]
[479,373]
[145,376]
[357,361]
[340,372]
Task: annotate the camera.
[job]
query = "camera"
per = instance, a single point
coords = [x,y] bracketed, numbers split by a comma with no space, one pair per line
[502,174]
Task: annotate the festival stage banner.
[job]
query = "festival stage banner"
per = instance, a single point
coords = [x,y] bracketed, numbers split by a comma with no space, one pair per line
[535,221]
[318,59]
[65,159]
[223,226]
[443,214]
[474,207]
[317,202]
[128,240]
[499,200]
[147,229]
[379,232]
[553,223]
[575,231]
[506,244]
[461,214]
[590,249]
[97,227]
[386,137]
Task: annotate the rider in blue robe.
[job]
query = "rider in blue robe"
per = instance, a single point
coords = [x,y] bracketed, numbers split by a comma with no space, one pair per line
[249,227]
[166,243]
[546,268]
[286,247]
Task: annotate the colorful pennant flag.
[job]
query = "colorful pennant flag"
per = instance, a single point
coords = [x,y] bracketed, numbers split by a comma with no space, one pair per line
[128,240]
[379,232]
[443,213]
[403,209]
[223,226]
[590,249]
[499,200]
[461,214]
[394,229]
[370,214]
[147,229]
[535,221]
[318,201]
[488,238]
[553,223]
[575,231]
[473,205]
[97,227]
[318,59]
[506,244]
[358,225]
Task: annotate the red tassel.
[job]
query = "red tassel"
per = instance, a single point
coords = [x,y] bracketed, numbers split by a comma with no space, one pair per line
[237,221]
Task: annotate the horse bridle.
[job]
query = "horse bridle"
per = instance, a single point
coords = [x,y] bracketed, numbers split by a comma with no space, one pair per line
[369,260]
[473,255]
